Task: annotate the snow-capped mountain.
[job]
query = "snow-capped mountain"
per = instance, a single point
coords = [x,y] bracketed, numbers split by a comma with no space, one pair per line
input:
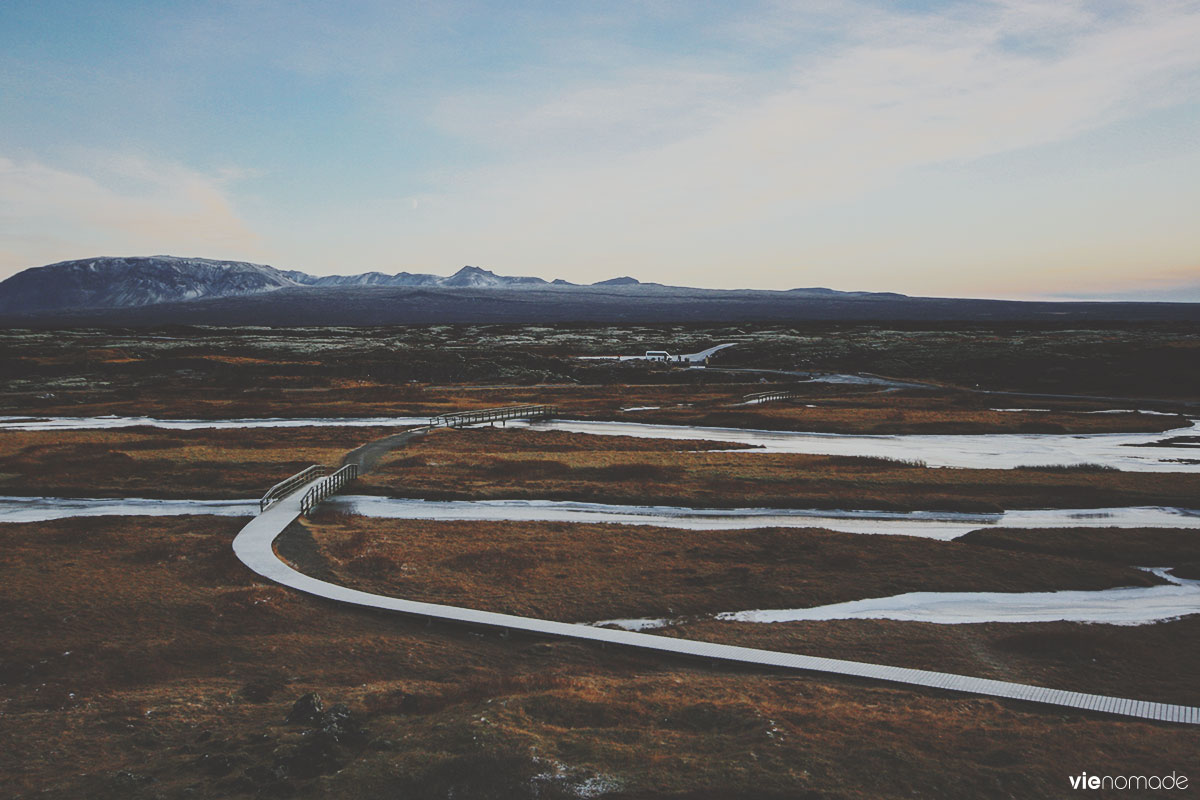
[142,281]
[165,290]
[123,282]
[467,277]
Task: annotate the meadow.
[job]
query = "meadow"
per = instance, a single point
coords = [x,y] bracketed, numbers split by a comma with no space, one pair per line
[143,660]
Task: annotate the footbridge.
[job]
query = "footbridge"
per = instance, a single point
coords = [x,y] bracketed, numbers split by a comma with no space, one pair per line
[461,419]
[303,491]
[767,397]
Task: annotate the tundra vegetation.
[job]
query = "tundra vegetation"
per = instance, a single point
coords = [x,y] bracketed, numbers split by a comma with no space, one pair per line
[143,660]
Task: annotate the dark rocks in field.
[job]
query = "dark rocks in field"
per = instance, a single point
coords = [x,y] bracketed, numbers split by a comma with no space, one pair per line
[325,747]
[338,724]
[307,709]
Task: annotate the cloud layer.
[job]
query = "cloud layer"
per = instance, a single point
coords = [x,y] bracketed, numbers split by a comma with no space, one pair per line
[1008,148]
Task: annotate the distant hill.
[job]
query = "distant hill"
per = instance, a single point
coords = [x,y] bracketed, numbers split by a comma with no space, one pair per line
[160,290]
[95,283]
[126,282]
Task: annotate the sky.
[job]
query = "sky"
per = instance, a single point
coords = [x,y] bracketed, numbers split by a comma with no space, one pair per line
[1015,148]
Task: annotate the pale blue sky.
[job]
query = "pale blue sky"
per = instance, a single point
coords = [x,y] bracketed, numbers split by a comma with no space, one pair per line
[1007,149]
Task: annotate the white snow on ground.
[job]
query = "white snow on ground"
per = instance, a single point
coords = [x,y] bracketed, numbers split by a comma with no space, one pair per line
[1127,606]
[943,525]
[1126,451]
[647,624]
[91,423]
[41,509]
[1105,411]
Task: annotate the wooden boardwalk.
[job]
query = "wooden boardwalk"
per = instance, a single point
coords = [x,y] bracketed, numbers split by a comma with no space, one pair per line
[253,545]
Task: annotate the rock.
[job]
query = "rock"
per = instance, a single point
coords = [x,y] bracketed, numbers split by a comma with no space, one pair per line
[307,709]
[338,725]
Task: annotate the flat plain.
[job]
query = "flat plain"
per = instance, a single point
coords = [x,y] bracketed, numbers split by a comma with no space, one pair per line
[143,660]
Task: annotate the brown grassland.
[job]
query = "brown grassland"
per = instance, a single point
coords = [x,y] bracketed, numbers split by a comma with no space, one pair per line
[578,572]
[497,463]
[144,661]
[153,462]
[821,407]
[500,463]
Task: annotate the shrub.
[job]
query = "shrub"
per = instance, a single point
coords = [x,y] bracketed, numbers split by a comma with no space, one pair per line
[632,472]
[523,469]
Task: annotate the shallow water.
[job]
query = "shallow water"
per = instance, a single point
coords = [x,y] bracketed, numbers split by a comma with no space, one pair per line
[41,509]
[1127,606]
[106,422]
[1126,451]
[942,525]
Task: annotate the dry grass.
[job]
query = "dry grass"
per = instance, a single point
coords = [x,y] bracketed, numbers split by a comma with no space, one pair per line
[574,572]
[1142,662]
[521,464]
[1147,547]
[152,462]
[142,660]
[904,414]
[263,383]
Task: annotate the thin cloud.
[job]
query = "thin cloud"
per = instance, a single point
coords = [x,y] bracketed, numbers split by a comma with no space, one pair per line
[907,92]
[122,205]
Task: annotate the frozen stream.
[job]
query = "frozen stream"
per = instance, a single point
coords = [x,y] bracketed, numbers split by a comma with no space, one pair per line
[108,422]
[42,509]
[1126,451]
[1127,606]
[1140,605]
[943,525]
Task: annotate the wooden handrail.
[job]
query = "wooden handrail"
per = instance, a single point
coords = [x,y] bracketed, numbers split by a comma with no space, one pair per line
[458,419]
[326,487]
[289,485]
[766,397]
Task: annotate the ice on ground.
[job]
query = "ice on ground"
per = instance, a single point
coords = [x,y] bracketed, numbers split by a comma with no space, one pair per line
[107,422]
[1125,606]
[42,509]
[942,525]
[1134,452]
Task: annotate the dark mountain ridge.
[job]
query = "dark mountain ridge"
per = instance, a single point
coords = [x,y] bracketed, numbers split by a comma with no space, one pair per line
[164,290]
[95,283]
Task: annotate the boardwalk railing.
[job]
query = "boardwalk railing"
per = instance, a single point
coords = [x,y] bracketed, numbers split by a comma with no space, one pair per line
[767,397]
[286,487]
[459,419]
[327,486]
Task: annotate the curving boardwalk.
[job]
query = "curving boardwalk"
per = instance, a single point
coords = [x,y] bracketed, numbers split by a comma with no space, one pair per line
[254,546]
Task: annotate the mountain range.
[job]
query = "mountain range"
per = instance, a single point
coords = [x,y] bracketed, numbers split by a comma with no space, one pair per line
[95,283]
[158,290]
